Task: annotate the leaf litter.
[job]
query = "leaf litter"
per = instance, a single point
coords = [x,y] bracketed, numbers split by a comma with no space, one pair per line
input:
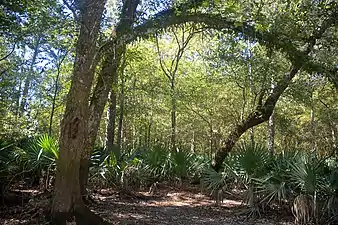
[186,205]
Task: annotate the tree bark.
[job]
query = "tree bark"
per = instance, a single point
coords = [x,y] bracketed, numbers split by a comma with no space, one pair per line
[104,84]
[251,85]
[112,118]
[173,114]
[271,128]
[313,130]
[334,130]
[271,133]
[54,102]
[148,138]
[121,114]
[67,201]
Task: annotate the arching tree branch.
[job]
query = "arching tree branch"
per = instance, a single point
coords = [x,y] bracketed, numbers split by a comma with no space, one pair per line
[263,112]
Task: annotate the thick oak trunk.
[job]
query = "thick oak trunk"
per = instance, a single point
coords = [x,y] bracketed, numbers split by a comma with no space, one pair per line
[67,201]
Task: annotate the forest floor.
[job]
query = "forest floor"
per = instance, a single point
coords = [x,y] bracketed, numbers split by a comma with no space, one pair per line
[168,205]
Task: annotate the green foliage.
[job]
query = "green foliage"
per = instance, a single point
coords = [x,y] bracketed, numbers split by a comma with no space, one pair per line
[252,161]
[280,179]
[212,180]
[8,166]
[145,166]
[41,154]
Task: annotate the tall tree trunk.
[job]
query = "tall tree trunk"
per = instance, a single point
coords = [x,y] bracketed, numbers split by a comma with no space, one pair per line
[53,102]
[271,128]
[170,72]
[271,133]
[29,76]
[251,85]
[150,123]
[112,125]
[334,130]
[192,143]
[17,99]
[313,131]
[67,201]
[104,84]
[212,143]
[173,114]
[121,113]
[112,118]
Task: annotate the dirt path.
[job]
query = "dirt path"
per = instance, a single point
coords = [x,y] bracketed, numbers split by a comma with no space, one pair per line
[186,206]
[175,206]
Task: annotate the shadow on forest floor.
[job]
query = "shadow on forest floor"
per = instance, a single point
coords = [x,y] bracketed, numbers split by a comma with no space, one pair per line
[167,206]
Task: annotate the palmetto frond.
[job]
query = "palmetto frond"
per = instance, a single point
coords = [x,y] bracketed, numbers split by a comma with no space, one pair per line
[213,180]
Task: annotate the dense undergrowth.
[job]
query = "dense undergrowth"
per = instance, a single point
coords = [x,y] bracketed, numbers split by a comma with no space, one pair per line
[299,181]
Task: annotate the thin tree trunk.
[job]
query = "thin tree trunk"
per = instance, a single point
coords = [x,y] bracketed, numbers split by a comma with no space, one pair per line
[111,121]
[170,72]
[271,128]
[18,93]
[313,131]
[56,87]
[29,76]
[112,118]
[251,84]
[192,143]
[271,133]
[53,103]
[211,130]
[121,113]
[173,114]
[67,201]
[313,122]
[334,138]
[334,130]
[150,123]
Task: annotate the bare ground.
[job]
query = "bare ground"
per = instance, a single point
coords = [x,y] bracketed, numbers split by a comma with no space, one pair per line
[186,206]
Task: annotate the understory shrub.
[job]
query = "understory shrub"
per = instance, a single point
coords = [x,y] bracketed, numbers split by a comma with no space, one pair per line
[143,167]
[307,184]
